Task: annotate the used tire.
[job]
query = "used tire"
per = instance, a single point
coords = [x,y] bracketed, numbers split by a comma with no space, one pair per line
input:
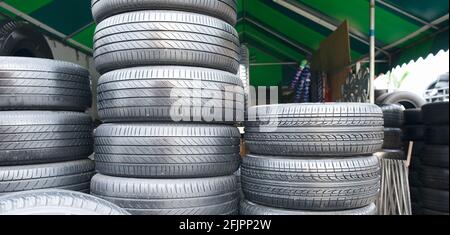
[222,9]
[437,135]
[165,37]
[75,176]
[414,133]
[434,199]
[19,38]
[407,99]
[432,212]
[311,183]
[29,137]
[393,115]
[393,138]
[42,84]
[167,150]
[56,202]
[315,129]
[250,208]
[413,117]
[168,93]
[436,113]
[204,196]
[435,155]
[434,177]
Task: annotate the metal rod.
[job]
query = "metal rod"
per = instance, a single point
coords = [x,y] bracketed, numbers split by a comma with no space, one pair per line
[372,52]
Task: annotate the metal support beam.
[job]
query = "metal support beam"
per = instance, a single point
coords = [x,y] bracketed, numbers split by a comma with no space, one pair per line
[372,52]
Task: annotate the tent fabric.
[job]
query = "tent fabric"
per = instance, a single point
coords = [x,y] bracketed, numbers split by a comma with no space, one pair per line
[275,33]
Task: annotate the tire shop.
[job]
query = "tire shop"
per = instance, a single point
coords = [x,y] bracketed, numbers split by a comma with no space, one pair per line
[224,107]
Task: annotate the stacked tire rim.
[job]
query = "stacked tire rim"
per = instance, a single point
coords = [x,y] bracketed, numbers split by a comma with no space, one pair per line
[45,138]
[310,159]
[160,151]
[434,168]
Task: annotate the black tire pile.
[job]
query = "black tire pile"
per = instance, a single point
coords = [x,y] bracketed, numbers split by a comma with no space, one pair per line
[312,159]
[393,144]
[45,138]
[153,159]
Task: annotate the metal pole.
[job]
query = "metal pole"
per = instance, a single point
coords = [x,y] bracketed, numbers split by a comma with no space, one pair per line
[372,51]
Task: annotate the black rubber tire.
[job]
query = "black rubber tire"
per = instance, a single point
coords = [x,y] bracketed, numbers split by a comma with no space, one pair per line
[391,154]
[151,94]
[222,9]
[30,137]
[315,129]
[414,133]
[311,183]
[19,38]
[205,196]
[250,208]
[393,138]
[165,37]
[434,199]
[393,115]
[434,177]
[436,113]
[42,84]
[435,155]
[413,117]
[407,99]
[432,212]
[56,202]
[167,150]
[74,175]
[437,135]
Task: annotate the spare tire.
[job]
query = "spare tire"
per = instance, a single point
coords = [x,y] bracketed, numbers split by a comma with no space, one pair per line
[203,196]
[42,84]
[19,38]
[167,150]
[341,129]
[222,9]
[56,202]
[407,99]
[146,38]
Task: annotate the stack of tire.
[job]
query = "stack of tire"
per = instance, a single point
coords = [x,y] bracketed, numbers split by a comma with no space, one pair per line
[434,170]
[45,136]
[312,159]
[414,132]
[393,144]
[160,151]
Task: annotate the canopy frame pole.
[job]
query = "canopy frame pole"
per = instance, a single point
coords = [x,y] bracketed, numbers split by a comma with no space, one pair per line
[372,52]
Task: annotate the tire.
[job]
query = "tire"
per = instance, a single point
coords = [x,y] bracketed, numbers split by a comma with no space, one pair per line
[31,137]
[315,130]
[435,155]
[250,208]
[407,99]
[436,113]
[393,115]
[437,135]
[434,177]
[413,117]
[436,200]
[56,202]
[222,9]
[414,133]
[42,84]
[167,150]
[155,93]
[393,138]
[391,154]
[205,196]
[75,176]
[186,39]
[432,212]
[19,38]
[311,183]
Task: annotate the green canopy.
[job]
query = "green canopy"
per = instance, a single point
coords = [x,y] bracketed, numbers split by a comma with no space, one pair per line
[280,31]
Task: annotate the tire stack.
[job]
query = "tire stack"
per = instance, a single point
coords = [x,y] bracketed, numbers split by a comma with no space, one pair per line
[414,132]
[45,138]
[393,144]
[312,159]
[160,151]
[434,171]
